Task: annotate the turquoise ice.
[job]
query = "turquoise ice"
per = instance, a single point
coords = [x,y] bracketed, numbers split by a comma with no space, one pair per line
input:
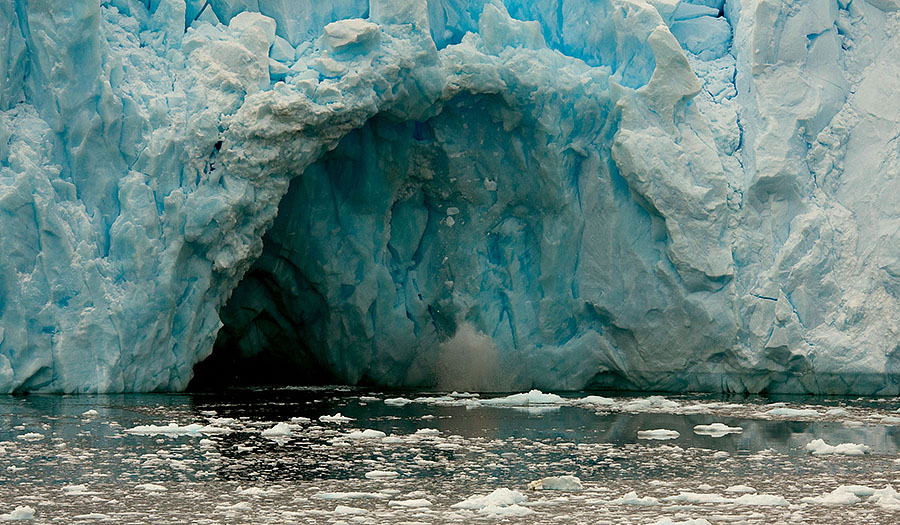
[553,194]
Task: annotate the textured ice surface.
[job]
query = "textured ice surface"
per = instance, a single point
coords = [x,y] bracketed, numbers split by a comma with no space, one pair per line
[479,195]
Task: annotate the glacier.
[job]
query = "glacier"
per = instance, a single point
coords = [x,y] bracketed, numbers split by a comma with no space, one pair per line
[472,194]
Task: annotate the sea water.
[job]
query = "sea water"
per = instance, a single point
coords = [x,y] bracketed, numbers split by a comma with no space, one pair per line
[342,455]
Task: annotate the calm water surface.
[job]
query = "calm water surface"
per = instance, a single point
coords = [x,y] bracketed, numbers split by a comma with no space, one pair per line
[264,456]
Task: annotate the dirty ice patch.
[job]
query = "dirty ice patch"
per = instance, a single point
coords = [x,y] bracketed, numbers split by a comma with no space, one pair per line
[818,447]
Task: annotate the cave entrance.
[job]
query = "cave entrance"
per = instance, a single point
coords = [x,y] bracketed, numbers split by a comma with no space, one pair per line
[373,245]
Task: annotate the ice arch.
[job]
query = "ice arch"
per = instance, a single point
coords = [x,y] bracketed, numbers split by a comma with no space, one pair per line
[667,232]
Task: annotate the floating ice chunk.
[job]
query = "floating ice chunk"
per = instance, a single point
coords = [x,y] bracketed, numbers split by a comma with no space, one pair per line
[280,430]
[840,411]
[596,401]
[366,434]
[761,500]
[300,420]
[494,502]
[252,491]
[716,430]
[173,429]
[631,498]
[382,474]
[18,514]
[90,413]
[793,412]
[556,483]
[693,497]
[886,497]
[652,403]
[426,432]
[838,496]
[349,495]
[740,489]
[91,516]
[533,397]
[659,433]
[352,511]
[78,490]
[337,418]
[397,401]
[668,521]
[411,503]
[151,487]
[30,436]
[819,447]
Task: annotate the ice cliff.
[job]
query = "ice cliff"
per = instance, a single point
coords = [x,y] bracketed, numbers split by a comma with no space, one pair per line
[662,194]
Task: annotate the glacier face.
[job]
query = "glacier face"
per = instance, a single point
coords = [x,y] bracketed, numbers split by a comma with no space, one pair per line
[471,194]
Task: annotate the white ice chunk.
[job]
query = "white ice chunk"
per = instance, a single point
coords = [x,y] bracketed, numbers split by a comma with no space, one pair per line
[819,447]
[556,483]
[659,433]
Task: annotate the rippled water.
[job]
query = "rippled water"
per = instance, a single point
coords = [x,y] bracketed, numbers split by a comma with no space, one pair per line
[123,464]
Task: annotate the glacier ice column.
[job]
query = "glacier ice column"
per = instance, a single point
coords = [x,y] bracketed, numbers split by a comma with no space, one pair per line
[659,195]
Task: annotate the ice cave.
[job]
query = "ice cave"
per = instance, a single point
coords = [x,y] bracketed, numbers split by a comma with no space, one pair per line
[672,195]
